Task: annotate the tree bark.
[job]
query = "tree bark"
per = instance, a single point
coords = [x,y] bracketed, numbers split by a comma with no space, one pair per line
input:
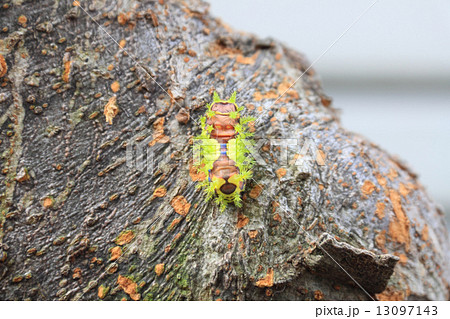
[79,221]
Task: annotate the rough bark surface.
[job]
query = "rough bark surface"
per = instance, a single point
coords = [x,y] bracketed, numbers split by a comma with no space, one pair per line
[77,222]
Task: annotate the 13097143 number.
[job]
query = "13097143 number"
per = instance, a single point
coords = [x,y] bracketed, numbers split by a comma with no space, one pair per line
[407,310]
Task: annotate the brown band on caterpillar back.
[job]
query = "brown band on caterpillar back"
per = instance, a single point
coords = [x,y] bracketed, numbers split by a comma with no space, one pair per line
[223,125]
[224,167]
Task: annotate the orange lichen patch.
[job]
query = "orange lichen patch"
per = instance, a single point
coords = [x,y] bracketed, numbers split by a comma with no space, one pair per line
[116,252]
[275,205]
[177,236]
[102,292]
[368,188]
[66,72]
[154,17]
[76,3]
[158,135]
[115,86]
[320,157]
[253,233]
[112,269]
[174,223]
[180,205]
[277,218]
[129,286]
[258,96]
[125,237]
[256,191]
[141,110]
[412,186]
[159,138]
[280,172]
[242,220]
[183,116]
[380,240]
[160,192]
[318,295]
[3,66]
[392,174]
[283,110]
[195,174]
[110,67]
[22,175]
[247,60]
[424,233]
[399,225]
[381,180]
[403,259]
[217,49]
[76,273]
[278,56]
[266,281]
[159,269]
[48,202]
[379,212]
[326,101]
[404,191]
[390,294]
[111,110]
[122,43]
[17,279]
[22,20]
[122,18]
[285,88]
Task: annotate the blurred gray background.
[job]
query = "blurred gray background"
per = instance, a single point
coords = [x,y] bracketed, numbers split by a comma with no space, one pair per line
[389,74]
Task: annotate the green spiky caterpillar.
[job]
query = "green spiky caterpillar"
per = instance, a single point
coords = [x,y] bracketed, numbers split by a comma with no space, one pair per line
[222,151]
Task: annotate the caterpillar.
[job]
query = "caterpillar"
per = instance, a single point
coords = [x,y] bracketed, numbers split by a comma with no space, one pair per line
[223,151]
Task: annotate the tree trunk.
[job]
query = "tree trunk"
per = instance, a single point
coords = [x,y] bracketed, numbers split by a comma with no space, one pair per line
[80,221]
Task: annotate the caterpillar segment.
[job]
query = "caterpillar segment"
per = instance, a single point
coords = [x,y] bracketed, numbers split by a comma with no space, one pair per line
[223,150]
